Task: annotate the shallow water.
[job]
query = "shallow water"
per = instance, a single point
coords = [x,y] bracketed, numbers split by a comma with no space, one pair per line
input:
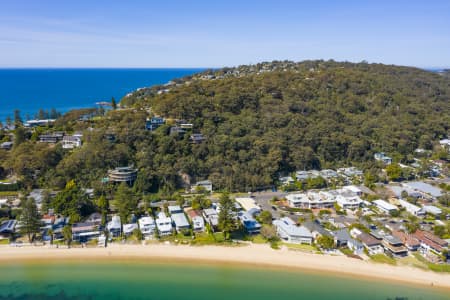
[134,280]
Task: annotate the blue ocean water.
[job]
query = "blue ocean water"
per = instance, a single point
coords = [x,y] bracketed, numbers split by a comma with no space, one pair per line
[31,89]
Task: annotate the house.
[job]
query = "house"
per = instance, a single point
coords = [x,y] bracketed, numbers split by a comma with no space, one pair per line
[311,200]
[174,209]
[129,228]
[396,191]
[71,142]
[198,223]
[445,143]
[147,225]
[154,123]
[95,218]
[350,172]
[372,244]
[7,227]
[164,224]
[250,224]
[411,208]
[197,138]
[349,202]
[427,190]
[385,206]
[84,232]
[411,243]
[180,221]
[291,233]
[249,205]
[341,237]
[394,246]
[432,210]
[286,180]
[205,184]
[356,246]
[6,145]
[328,174]
[115,226]
[122,174]
[211,216]
[429,242]
[35,123]
[380,156]
[51,138]
[316,229]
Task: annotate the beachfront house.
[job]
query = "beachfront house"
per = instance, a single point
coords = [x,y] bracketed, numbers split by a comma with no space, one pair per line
[249,223]
[394,246]
[147,226]
[212,218]
[291,233]
[198,223]
[180,221]
[83,232]
[430,243]
[384,206]
[163,224]
[411,243]
[372,245]
[128,229]
[115,226]
[7,228]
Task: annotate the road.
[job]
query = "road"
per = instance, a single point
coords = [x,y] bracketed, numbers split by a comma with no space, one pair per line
[263,199]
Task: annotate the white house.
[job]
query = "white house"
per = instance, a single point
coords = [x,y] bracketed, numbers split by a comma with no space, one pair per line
[248,204]
[205,184]
[198,223]
[147,225]
[164,224]
[380,156]
[290,232]
[115,226]
[411,208]
[385,206]
[71,142]
[129,228]
[180,221]
[311,200]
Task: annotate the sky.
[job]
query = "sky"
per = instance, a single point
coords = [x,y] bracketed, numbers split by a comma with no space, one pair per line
[195,33]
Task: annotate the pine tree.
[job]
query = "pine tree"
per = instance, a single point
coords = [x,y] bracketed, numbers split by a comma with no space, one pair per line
[113,103]
[227,222]
[30,219]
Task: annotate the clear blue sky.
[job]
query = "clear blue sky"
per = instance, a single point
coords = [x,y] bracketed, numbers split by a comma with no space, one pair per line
[194,33]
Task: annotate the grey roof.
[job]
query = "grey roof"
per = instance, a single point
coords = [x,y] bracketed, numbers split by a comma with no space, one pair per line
[290,228]
[341,235]
[315,226]
[180,220]
[425,187]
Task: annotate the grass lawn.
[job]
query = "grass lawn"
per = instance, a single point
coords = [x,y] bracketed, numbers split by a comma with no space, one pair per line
[301,247]
[412,261]
[4,242]
[383,259]
[433,267]
[259,239]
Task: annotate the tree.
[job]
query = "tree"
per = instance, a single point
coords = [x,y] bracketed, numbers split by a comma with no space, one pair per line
[439,230]
[394,172]
[269,233]
[51,233]
[30,219]
[17,118]
[113,103]
[227,221]
[103,205]
[325,242]
[67,235]
[265,217]
[125,201]
[20,136]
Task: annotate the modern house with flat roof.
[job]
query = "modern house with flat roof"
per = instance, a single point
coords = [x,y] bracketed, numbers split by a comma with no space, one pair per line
[71,142]
[180,221]
[147,225]
[211,217]
[385,206]
[164,224]
[205,184]
[311,200]
[84,232]
[115,226]
[394,246]
[122,174]
[250,224]
[291,233]
[174,209]
[129,228]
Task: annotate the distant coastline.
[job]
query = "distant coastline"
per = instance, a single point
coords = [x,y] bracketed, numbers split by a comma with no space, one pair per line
[30,89]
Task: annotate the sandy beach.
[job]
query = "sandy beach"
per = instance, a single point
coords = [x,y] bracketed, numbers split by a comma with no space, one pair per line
[256,255]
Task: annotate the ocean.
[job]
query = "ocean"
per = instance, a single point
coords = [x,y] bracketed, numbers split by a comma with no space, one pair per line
[169,281]
[64,89]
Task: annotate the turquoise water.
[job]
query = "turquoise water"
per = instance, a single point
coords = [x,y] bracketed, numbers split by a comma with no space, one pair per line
[31,89]
[133,280]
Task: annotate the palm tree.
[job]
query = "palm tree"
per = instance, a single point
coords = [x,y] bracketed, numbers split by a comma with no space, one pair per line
[51,233]
[67,234]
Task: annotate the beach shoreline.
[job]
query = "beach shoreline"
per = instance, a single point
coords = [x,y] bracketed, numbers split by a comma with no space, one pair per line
[253,255]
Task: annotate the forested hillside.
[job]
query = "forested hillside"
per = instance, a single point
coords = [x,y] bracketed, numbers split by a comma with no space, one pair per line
[258,121]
